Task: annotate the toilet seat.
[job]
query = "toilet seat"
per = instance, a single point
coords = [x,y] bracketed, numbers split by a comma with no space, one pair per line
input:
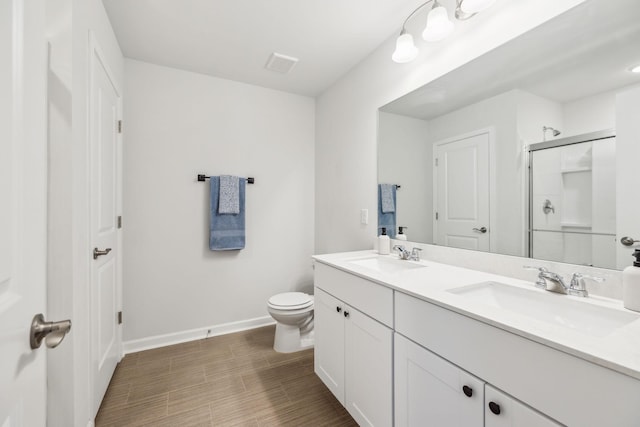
[290,301]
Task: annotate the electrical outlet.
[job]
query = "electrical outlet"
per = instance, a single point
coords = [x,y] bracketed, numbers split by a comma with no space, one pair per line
[364,216]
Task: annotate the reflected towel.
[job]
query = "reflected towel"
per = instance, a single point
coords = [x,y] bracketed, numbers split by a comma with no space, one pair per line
[226,231]
[229,202]
[387,197]
[387,219]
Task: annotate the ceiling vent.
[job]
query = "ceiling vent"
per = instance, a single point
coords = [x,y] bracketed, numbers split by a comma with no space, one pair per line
[281,63]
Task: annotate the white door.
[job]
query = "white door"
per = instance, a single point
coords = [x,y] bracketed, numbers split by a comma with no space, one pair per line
[503,410]
[329,342]
[368,369]
[428,387]
[627,155]
[461,193]
[22,210]
[104,110]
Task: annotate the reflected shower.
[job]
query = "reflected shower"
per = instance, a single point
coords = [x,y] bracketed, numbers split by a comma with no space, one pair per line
[556,132]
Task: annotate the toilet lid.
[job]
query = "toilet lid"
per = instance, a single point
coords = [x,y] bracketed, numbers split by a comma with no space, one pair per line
[291,300]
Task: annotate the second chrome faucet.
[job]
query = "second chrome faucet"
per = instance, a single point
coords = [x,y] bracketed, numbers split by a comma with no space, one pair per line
[554,282]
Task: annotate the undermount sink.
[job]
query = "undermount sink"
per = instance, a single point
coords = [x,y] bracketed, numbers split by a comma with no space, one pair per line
[384,264]
[554,309]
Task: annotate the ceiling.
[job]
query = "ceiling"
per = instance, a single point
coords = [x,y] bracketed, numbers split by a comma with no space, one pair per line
[233,39]
[585,51]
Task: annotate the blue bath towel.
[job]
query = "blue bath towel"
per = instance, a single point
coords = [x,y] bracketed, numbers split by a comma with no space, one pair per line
[387,219]
[226,231]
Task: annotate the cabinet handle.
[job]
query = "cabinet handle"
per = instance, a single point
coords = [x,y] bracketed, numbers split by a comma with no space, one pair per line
[468,391]
[346,313]
[495,408]
[338,309]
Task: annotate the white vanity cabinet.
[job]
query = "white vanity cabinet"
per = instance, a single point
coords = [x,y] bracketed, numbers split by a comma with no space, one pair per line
[353,348]
[431,391]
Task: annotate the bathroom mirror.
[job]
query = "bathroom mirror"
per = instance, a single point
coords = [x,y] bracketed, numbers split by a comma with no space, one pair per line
[460,147]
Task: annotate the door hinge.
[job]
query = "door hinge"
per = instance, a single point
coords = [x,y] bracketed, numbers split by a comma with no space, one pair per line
[436,216]
[119,126]
[119,318]
[436,161]
[119,221]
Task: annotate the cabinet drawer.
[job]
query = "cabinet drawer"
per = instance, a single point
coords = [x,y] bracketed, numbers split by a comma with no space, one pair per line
[370,298]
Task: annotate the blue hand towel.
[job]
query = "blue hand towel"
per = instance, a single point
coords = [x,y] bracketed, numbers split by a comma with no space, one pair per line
[387,219]
[226,231]
[387,197]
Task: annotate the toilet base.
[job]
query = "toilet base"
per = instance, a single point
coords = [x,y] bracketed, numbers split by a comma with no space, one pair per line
[289,340]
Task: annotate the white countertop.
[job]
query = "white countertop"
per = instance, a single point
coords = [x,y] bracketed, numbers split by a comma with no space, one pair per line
[619,351]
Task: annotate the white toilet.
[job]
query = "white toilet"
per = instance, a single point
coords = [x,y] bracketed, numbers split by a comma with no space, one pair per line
[293,312]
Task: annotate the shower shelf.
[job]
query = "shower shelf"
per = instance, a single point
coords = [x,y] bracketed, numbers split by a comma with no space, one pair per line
[573,170]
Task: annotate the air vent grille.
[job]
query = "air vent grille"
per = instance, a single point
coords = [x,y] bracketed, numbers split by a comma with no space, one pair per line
[281,63]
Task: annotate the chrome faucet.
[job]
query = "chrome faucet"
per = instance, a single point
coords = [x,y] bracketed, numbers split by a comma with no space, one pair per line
[577,287]
[403,253]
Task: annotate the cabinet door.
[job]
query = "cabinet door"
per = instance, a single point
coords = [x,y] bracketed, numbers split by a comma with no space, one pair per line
[429,391]
[368,369]
[329,342]
[503,410]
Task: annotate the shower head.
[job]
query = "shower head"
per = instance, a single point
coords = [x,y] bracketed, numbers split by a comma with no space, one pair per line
[556,132]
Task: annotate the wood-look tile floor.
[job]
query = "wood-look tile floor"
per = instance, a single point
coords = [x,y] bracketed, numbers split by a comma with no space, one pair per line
[229,380]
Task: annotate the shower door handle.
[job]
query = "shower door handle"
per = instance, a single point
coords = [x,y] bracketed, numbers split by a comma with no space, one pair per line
[480,230]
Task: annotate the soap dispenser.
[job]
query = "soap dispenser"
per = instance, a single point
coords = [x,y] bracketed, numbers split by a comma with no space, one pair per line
[401,235]
[384,243]
[631,284]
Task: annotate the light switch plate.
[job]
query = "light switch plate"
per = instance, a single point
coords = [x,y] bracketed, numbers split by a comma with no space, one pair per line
[364,216]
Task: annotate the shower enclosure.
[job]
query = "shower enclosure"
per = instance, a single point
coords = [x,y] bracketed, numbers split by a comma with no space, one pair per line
[572,205]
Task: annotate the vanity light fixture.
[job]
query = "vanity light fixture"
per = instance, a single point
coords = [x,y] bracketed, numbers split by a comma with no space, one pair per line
[438,26]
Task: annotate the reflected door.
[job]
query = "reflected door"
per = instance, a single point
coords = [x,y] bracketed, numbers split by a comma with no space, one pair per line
[461,193]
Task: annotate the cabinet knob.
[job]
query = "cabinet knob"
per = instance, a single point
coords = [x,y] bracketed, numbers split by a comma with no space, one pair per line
[338,309]
[346,313]
[468,391]
[495,408]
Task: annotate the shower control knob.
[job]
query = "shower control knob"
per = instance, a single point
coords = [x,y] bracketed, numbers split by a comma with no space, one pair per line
[338,309]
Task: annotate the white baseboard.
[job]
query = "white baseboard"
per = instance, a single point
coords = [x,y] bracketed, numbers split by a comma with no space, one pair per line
[194,334]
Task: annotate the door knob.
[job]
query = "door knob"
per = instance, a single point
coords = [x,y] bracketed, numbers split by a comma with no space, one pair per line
[97,252]
[628,241]
[51,332]
[480,230]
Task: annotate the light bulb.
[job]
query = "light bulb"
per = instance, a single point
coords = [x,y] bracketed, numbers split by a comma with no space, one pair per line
[405,51]
[475,6]
[438,24]
[636,69]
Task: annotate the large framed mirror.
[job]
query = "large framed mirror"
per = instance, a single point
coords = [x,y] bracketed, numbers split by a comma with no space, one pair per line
[506,154]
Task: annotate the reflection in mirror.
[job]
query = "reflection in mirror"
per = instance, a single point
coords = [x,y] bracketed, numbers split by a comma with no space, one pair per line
[459,146]
[572,206]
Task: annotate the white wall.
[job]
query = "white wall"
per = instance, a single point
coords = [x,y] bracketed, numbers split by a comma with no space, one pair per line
[346,116]
[179,124]
[590,114]
[59,260]
[405,158]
